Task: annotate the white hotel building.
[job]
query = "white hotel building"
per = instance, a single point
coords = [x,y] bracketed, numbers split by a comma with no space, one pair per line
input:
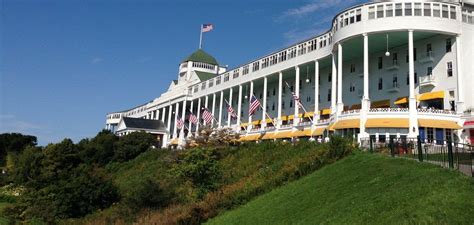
[384,69]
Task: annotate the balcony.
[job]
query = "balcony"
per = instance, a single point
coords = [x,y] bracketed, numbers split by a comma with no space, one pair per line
[394,66]
[427,58]
[427,80]
[394,88]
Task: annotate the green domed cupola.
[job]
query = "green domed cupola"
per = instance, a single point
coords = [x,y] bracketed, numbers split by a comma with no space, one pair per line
[201,56]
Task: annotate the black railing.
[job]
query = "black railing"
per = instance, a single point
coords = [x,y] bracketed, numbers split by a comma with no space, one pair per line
[440,152]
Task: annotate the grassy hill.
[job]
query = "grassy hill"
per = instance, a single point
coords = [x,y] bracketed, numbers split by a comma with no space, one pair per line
[365,189]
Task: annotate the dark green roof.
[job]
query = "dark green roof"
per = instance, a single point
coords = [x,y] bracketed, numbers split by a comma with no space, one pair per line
[204,76]
[201,56]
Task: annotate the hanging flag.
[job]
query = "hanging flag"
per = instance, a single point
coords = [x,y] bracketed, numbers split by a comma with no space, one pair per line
[206,28]
[231,111]
[180,123]
[296,98]
[192,118]
[207,116]
[254,104]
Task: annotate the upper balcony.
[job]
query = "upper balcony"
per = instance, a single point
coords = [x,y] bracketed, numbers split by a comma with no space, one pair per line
[427,80]
[427,58]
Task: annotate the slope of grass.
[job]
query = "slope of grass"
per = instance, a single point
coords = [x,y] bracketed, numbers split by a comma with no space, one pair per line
[365,189]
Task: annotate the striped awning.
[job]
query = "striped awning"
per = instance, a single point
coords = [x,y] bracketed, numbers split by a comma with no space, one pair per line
[344,124]
[446,124]
[401,100]
[268,136]
[283,134]
[387,123]
[431,96]
[250,137]
[326,111]
[380,104]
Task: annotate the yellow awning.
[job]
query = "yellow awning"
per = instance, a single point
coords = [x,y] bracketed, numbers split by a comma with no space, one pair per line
[283,134]
[431,95]
[300,133]
[326,111]
[387,122]
[256,122]
[268,120]
[174,142]
[343,124]
[309,114]
[318,131]
[244,124]
[447,124]
[381,104]
[250,137]
[401,100]
[269,135]
[290,117]
[283,118]
[355,106]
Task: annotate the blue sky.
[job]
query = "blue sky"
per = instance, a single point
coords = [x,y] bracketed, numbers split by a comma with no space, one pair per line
[65,64]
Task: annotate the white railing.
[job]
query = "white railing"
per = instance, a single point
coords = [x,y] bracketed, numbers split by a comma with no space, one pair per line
[437,111]
[351,111]
[388,110]
[427,79]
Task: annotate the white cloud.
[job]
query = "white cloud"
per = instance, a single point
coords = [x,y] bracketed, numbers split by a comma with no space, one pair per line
[96,60]
[313,7]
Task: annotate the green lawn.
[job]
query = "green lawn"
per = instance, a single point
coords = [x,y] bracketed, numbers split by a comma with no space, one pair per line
[3,220]
[365,189]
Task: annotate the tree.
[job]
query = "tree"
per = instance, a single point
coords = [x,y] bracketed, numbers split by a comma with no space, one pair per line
[59,160]
[130,146]
[29,167]
[100,149]
[14,143]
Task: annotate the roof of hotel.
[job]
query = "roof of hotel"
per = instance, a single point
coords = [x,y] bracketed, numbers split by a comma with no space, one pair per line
[201,56]
[203,76]
[139,123]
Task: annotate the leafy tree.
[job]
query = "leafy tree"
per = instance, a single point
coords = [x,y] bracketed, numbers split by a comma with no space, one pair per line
[132,145]
[201,167]
[100,149]
[59,160]
[148,193]
[14,143]
[29,167]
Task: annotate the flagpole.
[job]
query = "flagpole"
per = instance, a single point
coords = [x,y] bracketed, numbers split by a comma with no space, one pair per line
[299,103]
[200,38]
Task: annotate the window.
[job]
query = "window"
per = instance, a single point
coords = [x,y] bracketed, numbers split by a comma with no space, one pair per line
[380,64]
[211,83]
[329,77]
[448,45]
[255,66]
[236,74]
[196,88]
[429,71]
[398,9]
[380,11]
[380,84]
[274,91]
[416,78]
[395,59]
[436,9]
[389,10]
[226,77]
[283,105]
[408,10]
[329,94]
[428,50]
[371,13]
[203,86]
[353,68]
[417,9]
[449,67]
[218,80]
[352,87]
[358,15]
[427,9]
[273,106]
[429,134]
[245,70]
[445,11]
[452,12]
[395,82]
[308,99]
[261,95]
[291,104]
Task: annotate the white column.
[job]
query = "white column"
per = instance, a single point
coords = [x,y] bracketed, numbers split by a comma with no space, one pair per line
[230,103]
[221,101]
[280,102]
[206,103]
[340,104]
[333,84]
[190,125]
[249,127]
[175,129]
[264,106]
[163,115]
[460,94]
[157,115]
[296,119]
[170,112]
[198,116]
[413,120]
[213,108]
[164,140]
[183,116]
[316,92]
[239,107]
[365,102]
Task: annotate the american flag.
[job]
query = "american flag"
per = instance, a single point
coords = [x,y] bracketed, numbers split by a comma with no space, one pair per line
[206,28]
[180,123]
[231,111]
[254,104]
[193,119]
[296,98]
[207,116]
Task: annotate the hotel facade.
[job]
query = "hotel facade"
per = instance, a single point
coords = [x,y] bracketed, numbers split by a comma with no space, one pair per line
[384,69]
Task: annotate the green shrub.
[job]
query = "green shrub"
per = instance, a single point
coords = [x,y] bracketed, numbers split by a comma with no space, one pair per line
[132,145]
[147,194]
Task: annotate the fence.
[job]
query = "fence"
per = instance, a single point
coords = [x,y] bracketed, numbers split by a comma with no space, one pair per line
[440,152]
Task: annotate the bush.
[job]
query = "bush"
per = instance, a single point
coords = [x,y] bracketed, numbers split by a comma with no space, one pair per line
[147,194]
[132,145]
[339,146]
